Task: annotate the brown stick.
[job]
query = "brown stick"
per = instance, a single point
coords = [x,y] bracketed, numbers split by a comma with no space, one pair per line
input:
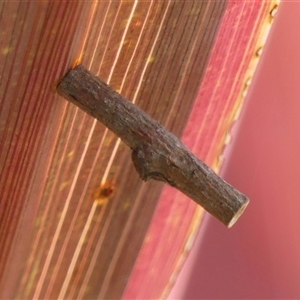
[156,153]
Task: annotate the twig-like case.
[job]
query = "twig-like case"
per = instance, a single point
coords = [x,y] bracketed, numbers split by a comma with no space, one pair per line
[156,153]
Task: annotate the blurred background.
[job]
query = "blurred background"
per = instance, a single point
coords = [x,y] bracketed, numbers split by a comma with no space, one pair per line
[260,256]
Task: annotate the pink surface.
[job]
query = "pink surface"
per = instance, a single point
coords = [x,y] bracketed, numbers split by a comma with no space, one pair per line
[260,256]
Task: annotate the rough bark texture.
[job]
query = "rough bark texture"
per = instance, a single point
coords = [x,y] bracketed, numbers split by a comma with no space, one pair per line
[156,153]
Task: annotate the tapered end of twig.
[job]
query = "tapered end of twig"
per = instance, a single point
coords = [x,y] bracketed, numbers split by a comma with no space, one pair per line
[238,214]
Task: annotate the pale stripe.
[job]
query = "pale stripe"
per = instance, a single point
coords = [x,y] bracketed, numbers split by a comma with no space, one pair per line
[186,66]
[36,244]
[87,225]
[120,245]
[150,55]
[106,225]
[81,200]
[77,252]
[60,223]
[128,225]
[53,244]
